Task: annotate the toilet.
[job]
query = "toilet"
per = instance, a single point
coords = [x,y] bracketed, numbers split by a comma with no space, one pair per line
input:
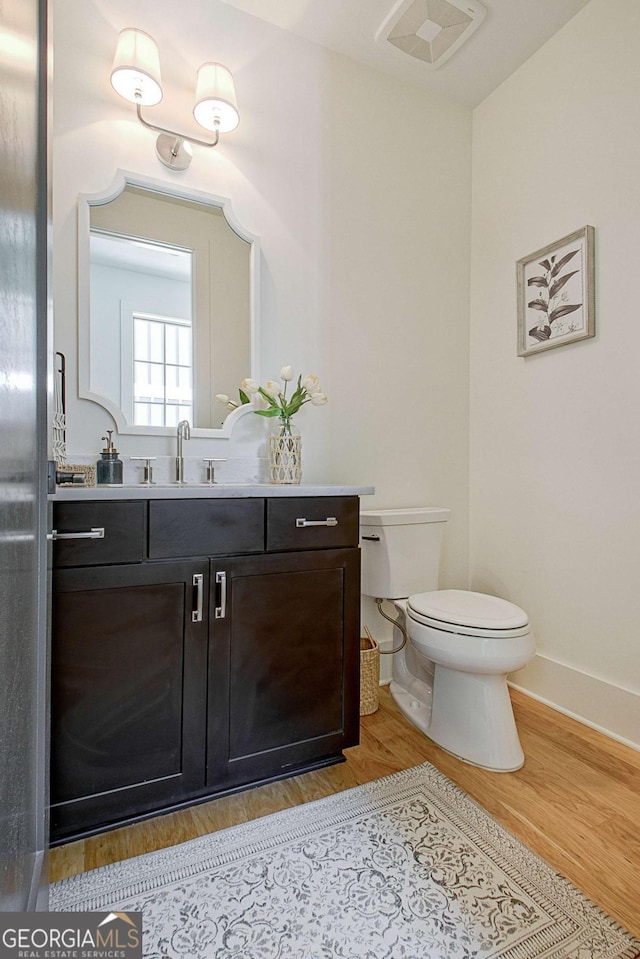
[450,680]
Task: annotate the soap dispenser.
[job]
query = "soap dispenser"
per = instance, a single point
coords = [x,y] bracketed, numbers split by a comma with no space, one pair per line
[109,467]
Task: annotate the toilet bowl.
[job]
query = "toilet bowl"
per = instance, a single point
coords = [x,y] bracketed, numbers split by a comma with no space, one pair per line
[450,680]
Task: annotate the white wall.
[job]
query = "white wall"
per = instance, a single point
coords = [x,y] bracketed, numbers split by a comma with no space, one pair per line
[555,442]
[359,188]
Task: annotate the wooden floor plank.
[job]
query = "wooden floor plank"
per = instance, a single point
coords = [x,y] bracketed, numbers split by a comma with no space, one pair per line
[576,801]
[326,782]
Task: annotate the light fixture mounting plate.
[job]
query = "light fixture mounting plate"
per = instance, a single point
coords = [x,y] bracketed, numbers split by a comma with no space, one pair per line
[174,152]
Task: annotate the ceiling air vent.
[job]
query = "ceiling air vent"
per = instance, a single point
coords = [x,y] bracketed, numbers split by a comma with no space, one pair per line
[431,30]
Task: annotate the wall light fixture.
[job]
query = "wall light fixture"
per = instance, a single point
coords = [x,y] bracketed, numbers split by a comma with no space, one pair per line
[136,77]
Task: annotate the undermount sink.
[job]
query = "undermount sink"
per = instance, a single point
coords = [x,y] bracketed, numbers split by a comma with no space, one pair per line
[180,485]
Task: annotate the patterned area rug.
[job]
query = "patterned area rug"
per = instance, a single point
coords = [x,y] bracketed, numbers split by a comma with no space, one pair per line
[407,867]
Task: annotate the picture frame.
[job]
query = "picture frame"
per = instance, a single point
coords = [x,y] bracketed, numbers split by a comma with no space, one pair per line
[556,293]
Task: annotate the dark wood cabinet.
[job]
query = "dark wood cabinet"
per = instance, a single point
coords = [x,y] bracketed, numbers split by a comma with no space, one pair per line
[283,690]
[128,699]
[176,679]
[121,529]
[321,522]
[199,527]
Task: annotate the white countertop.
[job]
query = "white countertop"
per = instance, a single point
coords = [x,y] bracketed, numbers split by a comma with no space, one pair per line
[218,491]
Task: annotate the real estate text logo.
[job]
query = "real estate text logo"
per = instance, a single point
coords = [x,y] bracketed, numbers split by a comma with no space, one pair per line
[71,935]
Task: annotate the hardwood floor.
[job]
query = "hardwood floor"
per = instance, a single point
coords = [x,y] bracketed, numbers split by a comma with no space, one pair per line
[576,801]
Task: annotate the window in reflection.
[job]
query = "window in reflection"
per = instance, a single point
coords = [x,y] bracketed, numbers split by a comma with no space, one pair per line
[163,374]
[142,331]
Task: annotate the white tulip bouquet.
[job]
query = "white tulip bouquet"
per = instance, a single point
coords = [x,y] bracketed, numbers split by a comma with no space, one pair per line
[271,399]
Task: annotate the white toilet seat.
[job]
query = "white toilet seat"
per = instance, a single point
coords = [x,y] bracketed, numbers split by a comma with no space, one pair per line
[470,614]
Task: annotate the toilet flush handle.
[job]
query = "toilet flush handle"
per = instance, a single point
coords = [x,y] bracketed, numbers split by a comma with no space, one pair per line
[372,539]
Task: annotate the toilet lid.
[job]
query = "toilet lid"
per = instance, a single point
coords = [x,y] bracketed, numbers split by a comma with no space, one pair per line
[472,610]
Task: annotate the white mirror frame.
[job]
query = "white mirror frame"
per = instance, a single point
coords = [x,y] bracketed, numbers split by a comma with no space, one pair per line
[88,200]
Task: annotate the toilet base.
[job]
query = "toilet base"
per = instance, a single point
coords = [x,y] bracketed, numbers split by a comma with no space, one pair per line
[467,715]
[414,704]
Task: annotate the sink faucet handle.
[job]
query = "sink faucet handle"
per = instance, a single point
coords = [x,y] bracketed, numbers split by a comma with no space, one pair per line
[147,470]
[210,471]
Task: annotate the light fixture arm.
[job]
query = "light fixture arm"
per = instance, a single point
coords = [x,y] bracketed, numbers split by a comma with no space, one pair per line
[178,136]
[136,77]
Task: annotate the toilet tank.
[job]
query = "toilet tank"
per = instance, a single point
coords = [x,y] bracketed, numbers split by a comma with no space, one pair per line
[401,550]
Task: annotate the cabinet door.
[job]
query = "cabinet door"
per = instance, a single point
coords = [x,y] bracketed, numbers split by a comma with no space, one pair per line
[128,692]
[283,664]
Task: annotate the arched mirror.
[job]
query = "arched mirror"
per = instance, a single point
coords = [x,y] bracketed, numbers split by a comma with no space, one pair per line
[168,295]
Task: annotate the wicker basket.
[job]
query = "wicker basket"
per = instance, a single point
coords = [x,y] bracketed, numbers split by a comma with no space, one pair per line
[89,473]
[369,674]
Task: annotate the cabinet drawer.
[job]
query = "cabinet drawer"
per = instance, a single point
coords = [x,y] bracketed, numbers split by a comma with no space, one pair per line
[291,523]
[205,527]
[124,533]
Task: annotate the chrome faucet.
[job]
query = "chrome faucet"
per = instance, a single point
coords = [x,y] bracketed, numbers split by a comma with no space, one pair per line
[184,433]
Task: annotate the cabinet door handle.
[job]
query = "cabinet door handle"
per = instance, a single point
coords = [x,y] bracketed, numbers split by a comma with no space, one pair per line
[329,521]
[221,610]
[96,532]
[196,614]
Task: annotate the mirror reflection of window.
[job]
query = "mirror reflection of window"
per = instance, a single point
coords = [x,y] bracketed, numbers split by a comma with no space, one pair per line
[162,380]
[157,254]
[141,307]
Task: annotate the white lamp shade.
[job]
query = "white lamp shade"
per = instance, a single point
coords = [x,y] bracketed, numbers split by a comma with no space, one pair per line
[136,68]
[216,99]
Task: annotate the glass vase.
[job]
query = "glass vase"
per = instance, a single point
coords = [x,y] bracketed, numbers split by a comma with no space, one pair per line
[285,452]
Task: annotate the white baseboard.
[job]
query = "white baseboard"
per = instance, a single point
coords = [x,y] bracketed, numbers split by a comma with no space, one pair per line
[610,709]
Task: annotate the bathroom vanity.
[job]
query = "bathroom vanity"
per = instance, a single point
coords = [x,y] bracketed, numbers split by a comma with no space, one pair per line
[204,640]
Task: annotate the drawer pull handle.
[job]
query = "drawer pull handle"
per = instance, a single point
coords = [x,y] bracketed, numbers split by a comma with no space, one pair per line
[196,614]
[96,532]
[221,610]
[329,521]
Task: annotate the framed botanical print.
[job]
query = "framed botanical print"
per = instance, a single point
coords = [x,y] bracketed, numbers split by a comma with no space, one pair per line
[556,294]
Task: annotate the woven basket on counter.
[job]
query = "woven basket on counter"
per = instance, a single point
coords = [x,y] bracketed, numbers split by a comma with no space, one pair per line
[88,471]
[369,674]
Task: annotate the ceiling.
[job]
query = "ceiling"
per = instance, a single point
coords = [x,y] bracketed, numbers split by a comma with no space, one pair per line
[512,31]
